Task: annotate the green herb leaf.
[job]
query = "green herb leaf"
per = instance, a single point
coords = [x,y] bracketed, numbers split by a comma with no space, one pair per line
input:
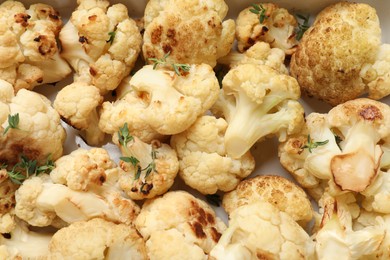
[124,135]
[134,161]
[312,145]
[176,66]
[214,199]
[259,10]
[302,27]
[13,122]
[112,37]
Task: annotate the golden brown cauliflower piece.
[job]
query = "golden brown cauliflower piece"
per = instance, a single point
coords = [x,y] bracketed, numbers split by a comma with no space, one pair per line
[101,43]
[277,28]
[97,239]
[192,31]
[28,45]
[280,192]
[189,224]
[328,61]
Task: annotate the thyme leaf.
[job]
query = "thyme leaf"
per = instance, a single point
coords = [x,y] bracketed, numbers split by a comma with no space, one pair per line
[260,11]
[176,66]
[312,145]
[13,122]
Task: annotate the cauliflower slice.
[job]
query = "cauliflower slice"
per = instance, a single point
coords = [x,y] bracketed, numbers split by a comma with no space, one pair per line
[149,170]
[101,43]
[329,71]
[204,164]
[39,125]
[97,239]
[261,231]
[277,28]
[191,31]
[280,192]
[258,101]
[179,215]
[39,201]
[167,103]
[80,110]
[28,45]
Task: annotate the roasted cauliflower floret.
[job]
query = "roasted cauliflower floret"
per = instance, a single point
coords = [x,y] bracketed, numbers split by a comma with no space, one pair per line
[182,217]
[7,194]
[28,45]
[204,164]
[261,231]
[148,169]
[191,31]
[280,192]
[38,125]
[258,101]
[77,105]
[342,147]
[276,27]
[101,43]
[39,202]
[167,103]
[329,71]
[97,239]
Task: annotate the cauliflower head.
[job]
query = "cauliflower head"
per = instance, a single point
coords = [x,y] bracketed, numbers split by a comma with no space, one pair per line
[168,103]
[28,45]
[101,43]
[149,170]
[258,101]
[277,28]
[182,217]
[191,31]
[280,192]
[80,110]
[38,125]
[342,147]
[97,239]
[329,71]
[204,163]
[260,231]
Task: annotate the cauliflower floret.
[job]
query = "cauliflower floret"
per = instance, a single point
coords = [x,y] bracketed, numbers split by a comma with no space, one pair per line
[378,193]
[277,28]
[77,104]
[28,45]
[83,169]
[39,125]
[329,71]
[192,31]
[179,215]
[148,169]
[168,103]
[97,239]
[344,146]
[101,44]
[261,231]
[39,202]
[204,164]
[258,101]
[378,74]
[7,194]
[259,53]
[280,192]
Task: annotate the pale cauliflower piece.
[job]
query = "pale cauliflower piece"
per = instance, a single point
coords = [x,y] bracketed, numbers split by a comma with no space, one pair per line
[204,163]
[39,125]
[28,45]
[177,215]
[259,53]
[39,202]
[277,28]
[261,231]
[258,101]
[170,103]
[157,157]
[330,71]
[377,195]
[77,104]
[191,31]
[97,239]
[101,43]
[83,169]
[280,192]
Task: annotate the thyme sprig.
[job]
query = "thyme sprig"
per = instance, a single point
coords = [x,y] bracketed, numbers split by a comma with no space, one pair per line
[302,27]
[112,37]
[13,122]
[310,145]
[260,11]
[176,66]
